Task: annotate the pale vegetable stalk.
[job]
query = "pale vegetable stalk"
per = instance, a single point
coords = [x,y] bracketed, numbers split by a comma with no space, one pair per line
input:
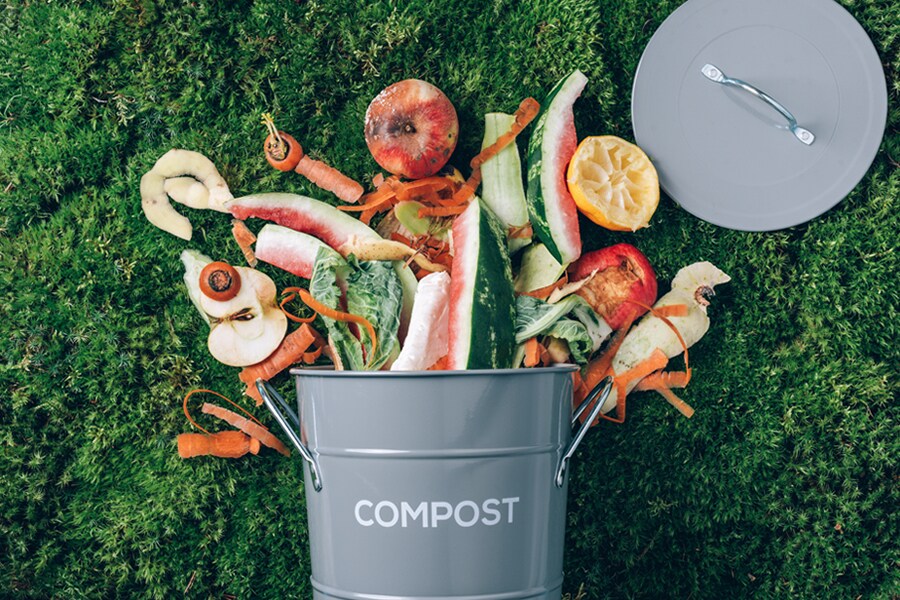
[692,287]
[502,187]
[175,164]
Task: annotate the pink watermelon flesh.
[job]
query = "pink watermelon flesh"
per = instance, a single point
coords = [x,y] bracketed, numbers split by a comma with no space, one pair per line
[463,271]
[293,251]
[568,142]
[302,214]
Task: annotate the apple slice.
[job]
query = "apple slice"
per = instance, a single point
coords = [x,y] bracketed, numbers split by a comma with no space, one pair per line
[248,327]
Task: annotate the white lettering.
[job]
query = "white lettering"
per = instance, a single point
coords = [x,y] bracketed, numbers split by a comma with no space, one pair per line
[406,510]
[475,513]
[489,509]
[393,520]
[359,519]
[436,516]
[466,513]
[510,502]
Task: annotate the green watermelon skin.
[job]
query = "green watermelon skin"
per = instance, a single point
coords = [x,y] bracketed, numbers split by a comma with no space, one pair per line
[482,299]
[551,209]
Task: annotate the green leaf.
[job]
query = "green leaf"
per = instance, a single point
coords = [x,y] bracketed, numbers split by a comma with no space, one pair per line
[372,290]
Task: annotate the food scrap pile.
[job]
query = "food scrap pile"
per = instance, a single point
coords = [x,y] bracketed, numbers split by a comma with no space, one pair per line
[433,285]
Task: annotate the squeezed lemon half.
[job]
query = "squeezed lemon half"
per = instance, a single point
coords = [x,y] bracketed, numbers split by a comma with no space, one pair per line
[613,183]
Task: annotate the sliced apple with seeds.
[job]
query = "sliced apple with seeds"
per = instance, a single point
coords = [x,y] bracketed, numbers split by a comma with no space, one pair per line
[246,327]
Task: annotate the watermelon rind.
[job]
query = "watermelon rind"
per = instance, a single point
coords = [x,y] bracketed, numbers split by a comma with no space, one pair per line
[553,213]
[482,300]
[289,250]
[325,222]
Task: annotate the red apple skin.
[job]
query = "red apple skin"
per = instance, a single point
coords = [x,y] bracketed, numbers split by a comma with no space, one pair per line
[623,273]
[411,128]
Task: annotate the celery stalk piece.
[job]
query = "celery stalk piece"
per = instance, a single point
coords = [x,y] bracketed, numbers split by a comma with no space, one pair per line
[502,185]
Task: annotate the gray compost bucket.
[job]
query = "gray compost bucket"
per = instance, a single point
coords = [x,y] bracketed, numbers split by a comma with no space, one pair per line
[435,484]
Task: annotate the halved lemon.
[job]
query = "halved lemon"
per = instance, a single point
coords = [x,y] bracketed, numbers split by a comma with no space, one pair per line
[613,183]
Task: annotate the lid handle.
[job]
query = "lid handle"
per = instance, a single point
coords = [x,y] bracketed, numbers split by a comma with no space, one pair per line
[714,73]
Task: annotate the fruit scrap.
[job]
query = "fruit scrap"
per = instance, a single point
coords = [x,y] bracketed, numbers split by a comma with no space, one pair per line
[293,349]
[411,128]
[175,164]
[611,276]
[613,183]
[551,209]
[285,154]
[246,323]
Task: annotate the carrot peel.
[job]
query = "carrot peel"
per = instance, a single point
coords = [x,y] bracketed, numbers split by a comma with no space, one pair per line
[291,350]
[337,315]
[248,426]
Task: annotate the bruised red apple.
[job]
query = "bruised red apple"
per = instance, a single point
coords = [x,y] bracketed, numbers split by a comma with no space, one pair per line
[411,128]
[617,274]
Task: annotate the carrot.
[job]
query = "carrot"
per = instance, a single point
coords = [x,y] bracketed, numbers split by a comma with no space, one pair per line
[378,199]
[667,379]
[290,351]
[282,151]
[465,193]
[366,217]
[327,178]
[251,428]
[245,239]
[662,383]
[682,406]
[532,352]
[291,316]
[224,444]
[670,310]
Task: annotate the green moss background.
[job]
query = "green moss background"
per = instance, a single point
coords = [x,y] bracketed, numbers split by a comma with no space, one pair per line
[784,484]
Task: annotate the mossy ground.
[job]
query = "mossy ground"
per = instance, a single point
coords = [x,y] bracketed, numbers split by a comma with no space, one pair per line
[784,484]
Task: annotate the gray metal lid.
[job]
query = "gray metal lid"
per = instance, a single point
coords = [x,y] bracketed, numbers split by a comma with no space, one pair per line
[713,99]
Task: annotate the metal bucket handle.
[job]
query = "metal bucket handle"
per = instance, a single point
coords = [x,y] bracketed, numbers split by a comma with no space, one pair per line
[276,404]
[601,391]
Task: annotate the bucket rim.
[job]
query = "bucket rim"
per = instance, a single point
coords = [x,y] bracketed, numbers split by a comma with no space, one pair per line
[330,372]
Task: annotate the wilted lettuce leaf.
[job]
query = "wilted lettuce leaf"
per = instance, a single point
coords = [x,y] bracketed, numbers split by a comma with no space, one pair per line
[535,317]
[584,332]
[372,290]
[576,335]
